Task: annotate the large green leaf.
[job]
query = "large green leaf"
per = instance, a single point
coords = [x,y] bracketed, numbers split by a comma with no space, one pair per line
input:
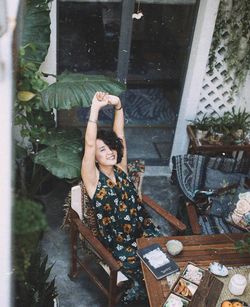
[20,152]
[36,30]
[77,90]
[67,137]
[61,161]
[62,156]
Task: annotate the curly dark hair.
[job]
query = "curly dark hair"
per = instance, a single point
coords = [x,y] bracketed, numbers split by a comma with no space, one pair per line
[111,139]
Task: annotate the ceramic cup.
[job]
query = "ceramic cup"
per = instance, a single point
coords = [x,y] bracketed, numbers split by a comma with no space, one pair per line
[237,284]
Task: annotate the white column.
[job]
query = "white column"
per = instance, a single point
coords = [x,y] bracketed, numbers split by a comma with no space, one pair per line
[49,64]
[196,70]
[6,161]
[244,95]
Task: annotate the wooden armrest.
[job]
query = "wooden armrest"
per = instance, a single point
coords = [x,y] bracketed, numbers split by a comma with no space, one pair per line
[225,189]
[94,242]
[97,246]
[193,218]
[164,213]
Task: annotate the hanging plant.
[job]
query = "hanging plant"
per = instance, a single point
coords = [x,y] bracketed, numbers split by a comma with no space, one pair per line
[232,39]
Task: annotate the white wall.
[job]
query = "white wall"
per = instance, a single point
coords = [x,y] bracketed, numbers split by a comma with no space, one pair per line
[196,69]
[6,90]
[244,97]
[196,73]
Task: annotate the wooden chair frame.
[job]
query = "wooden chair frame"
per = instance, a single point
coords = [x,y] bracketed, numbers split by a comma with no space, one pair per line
[78,229]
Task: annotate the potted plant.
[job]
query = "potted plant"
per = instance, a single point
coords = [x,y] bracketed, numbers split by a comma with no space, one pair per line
[201,126]
[220,128]
[29,222]
[38,289]
[240,124]
[243,245]
[31,277]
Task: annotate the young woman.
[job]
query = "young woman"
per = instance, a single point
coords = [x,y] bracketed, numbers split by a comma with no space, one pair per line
[120,214]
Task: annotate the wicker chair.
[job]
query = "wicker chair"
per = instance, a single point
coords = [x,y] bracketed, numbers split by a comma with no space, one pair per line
[83,229]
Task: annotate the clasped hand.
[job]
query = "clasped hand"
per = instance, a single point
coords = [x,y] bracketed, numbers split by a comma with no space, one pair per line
[102,99]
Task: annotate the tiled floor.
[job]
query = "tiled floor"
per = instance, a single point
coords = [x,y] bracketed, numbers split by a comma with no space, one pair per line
[82,292]
[151,144]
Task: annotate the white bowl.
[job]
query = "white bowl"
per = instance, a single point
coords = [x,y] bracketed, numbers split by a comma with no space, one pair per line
[174,247]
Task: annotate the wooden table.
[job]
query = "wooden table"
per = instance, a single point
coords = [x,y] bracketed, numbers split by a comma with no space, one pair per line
[199,249]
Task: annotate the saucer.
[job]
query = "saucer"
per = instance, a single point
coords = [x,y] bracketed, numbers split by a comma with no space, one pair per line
[218,269]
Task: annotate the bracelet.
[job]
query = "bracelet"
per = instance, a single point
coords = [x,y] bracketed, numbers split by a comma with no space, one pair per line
[92,121]
[118,108]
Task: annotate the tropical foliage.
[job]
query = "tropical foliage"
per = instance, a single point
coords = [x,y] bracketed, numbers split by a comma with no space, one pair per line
[42,150]
[48,148]
[37,290]
[232,39]
[73,90]
[243,245]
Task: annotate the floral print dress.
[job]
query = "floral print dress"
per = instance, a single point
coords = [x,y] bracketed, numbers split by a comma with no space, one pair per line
[122,218]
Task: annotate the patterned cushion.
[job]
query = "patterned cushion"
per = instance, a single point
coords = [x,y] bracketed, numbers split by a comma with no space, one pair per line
[135,171]
[195,173]
[215,179]
[240,209]
[88,212]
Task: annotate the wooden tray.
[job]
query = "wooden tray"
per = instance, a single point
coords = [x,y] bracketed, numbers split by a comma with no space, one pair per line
[207,293]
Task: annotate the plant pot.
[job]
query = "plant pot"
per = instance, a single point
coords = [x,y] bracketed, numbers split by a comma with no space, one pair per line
[247,138]
[238,136]
[200,134]
[56,302]
[216,138]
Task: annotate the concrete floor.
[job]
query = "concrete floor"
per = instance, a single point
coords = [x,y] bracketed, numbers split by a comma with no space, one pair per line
[82,292]
[150,144]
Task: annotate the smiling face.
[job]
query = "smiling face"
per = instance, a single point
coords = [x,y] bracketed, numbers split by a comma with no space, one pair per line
[104,155]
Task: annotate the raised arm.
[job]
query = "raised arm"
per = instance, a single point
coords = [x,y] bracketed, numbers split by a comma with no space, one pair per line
[89,171]
[118,127]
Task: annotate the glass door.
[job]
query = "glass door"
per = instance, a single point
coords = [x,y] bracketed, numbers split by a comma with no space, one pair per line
[145,44]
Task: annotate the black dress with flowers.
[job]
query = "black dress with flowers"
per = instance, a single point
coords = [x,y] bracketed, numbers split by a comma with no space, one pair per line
[122,218]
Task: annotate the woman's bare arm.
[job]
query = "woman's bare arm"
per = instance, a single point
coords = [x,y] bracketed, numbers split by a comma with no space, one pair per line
[118,127]
[89,172]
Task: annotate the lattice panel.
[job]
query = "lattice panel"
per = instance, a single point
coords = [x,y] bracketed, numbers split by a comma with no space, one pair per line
[216,93]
